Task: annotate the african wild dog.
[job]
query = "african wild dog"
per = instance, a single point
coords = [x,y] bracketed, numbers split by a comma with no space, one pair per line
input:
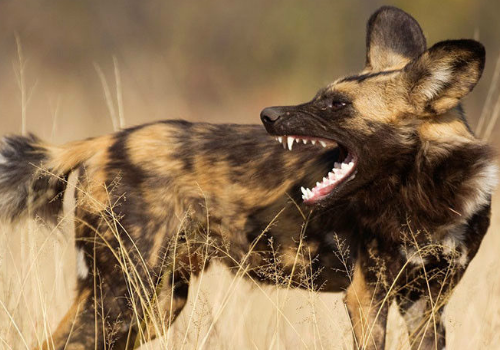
[405,185]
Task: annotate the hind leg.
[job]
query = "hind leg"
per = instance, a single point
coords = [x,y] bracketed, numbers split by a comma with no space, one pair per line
[91,323]
[166,305]
[73,326]
[115,299]
[102,318]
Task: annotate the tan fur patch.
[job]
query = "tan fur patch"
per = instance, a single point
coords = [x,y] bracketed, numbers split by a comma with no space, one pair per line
[158,139]
[376,100]
[360,302]
[447,129]
[67,157]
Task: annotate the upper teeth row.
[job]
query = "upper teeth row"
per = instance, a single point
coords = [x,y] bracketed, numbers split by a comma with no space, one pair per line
[290,139]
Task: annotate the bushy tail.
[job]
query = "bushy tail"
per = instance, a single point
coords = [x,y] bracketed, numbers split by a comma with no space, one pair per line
[33,175]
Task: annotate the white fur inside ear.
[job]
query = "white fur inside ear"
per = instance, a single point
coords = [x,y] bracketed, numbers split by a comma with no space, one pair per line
[432,86]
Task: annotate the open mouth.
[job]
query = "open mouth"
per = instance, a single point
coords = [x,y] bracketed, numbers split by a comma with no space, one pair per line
[343,170]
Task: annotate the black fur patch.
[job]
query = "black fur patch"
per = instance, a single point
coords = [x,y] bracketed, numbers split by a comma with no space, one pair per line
[363,77]
[25,185]
[395,31]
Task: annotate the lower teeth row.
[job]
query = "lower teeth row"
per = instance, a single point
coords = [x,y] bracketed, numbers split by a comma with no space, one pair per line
[339,171]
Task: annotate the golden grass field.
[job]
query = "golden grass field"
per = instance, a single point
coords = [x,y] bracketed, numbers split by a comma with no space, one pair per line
[225,311]
[69,72]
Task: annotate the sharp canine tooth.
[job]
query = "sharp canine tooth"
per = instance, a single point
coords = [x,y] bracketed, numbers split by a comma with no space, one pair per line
[304,192]
[323,143]
[290,142]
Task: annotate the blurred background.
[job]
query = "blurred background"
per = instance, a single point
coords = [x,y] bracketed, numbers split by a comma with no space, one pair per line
[75,69]
[217,61]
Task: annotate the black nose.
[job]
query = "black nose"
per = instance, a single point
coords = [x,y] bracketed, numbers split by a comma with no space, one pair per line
[270,115]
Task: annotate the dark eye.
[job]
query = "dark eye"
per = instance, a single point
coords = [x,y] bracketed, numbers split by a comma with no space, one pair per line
[336,105]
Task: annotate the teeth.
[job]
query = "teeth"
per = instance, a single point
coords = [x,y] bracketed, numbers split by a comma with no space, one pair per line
[288,143]
[306,193]
[337,174]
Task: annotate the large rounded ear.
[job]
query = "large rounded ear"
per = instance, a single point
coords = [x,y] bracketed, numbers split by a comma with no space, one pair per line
[440,77]
[393,39]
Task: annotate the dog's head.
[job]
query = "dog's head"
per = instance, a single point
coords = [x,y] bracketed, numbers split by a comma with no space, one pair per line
[406,97]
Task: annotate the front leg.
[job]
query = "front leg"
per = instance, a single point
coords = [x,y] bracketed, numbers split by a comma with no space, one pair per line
[368,305]
[424,322]
[424,292]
